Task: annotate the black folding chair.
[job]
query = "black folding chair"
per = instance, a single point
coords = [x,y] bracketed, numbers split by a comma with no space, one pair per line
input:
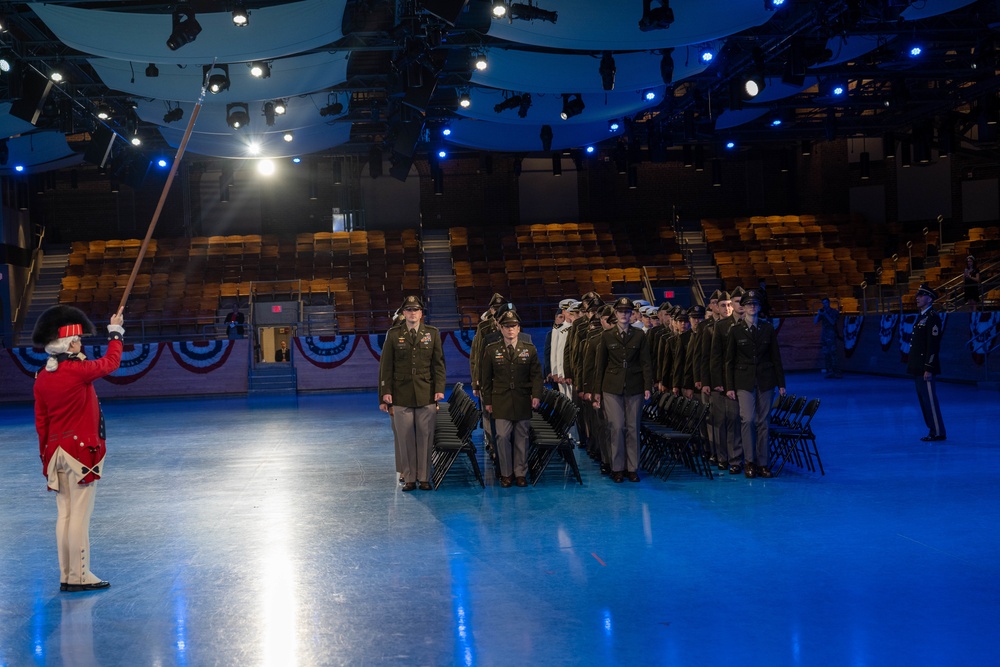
[453,436]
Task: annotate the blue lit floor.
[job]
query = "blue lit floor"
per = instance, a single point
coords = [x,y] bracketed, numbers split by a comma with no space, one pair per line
[272,532]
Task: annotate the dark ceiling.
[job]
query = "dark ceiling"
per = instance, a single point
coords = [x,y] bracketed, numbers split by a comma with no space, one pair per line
[358,74]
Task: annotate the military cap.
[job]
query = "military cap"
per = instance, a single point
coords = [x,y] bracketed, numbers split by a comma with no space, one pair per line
[508,318]
[715,296]
[607,311]
[575,307]
[596,305]
[724,296]
[496,300]
[639,304]
[751,296]
[505,307]
[60,322]
[566,303]
[666,305]
[697,312]
[926,291]
[679,314]
[648,311]
[411,302]
[623,303]
[737,294]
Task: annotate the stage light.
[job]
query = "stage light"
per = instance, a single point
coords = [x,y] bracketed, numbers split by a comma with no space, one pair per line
[57,76]
[19,168]
[572,106]
[776,122]
[217,77]
[838,89]
[241,17]
[184,31]
[707,55]
[253,148]
[237,115]
[513,102]
[499,9]
[269,113]
[753,85]
[464,101]
[730,145]
[280,107]
[334,109]
[546,136]
[136,140]
[649,95]
[660,18]
[260,69]
[480,63]
[103,111]
[296,160]
[288,137]
[614,126]
[442,154]
[152,71]
[173,115]
[519,10]
[590,150]
[265,167]
[915,51]
[446,131]
[771,5]
[607,70]
[161,163]
[667,67]
[522,111]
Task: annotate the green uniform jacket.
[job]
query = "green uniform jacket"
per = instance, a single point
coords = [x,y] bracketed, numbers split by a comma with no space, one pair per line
[679,373]
[720,339]
[753,360]
[589,358]
[412,373]
[511,380]
[476,350]
[623,365]
[703,371]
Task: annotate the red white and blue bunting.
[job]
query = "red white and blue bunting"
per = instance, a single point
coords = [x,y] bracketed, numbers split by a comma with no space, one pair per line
[852,331]
[30,360]
[887,329]
[327,351]
[375,343]
[985,330]
[137,360]
[201,356]
[463,340]
[906,334]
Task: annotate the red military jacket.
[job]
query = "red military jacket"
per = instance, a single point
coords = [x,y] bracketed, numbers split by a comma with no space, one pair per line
[67,414]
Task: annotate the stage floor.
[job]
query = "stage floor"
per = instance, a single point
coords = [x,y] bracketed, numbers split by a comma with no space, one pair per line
[272,532]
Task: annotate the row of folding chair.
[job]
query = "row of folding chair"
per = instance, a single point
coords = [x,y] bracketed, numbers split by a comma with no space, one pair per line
[550,428]
[453,435]
[791,437]
[672,433]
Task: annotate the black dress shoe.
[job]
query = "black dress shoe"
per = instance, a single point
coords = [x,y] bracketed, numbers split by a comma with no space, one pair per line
[933,438]
[62,586]
[505,482]
[617,477]
[410,486]
[765,473]
[521,481]
[721,465]
[402,480]
[80,588]
[749,471]
[426,486]
[735,469]
[632,476]
[605,470]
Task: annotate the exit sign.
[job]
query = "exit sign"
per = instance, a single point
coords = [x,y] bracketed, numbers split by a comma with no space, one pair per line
[668,294]
[275,309]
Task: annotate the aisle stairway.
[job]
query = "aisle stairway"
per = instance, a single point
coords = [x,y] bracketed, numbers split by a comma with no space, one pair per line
[45,292]
[439,280]
[700,262]
[272,378]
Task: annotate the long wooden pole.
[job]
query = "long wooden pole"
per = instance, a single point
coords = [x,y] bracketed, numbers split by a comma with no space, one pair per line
[163,198]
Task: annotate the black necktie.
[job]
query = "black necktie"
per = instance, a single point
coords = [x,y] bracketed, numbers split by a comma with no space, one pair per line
[413,336]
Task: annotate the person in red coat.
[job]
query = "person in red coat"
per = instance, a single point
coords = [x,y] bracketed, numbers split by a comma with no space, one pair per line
[71,432]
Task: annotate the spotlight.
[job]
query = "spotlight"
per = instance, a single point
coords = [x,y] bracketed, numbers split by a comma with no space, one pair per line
[667,66]
[288,137]
[546,136]
[519,10]
[572,106]
[916,51]
[184,31]
[253,148]
[614,126]
[442,154]
[260,69]
[660,18]
[730,145]
[607,70]
[522,111]
[296,160]
[589,149]
[776,122]
[834,88]
[707,55]
[480,63]
[513,102]
[446,131]
[217,81]
[771,5]
[152,71]
[136,141]
[649,95]
[173,115]
[269,113]
[19,168]
[753,86]
[241,17]
[57,75]
[280,107]
[161,163]
[265,167]
[103,111]
[499,9]
[464,101]
[334,109]
[237,115]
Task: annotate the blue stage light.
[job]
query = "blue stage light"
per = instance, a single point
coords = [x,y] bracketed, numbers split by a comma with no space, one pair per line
[707,55]
[776,122]
[19,168]
[613,126]
[442,153]
[161,163]
[296,160]
[650,95]
[915,51]
[590,149]
[730,145]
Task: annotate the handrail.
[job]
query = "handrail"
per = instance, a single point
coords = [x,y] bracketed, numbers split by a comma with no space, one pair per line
[33,267]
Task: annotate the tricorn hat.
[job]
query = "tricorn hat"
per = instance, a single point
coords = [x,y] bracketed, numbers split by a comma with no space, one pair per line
[927,291]
[60,322]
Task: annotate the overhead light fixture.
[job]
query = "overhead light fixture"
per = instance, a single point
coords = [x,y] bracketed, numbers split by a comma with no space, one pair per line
[522,111]
[56,75]
[152,71]
[464,101]
[237,115]
[499,9]
[546,136]
[217,77]
[730,145]
[185,29]
[607,71]
[260,69]
[667,66]
[173,115]
[334,109]
[753,86]
[269,113]
[280,107]
[649,95]
[659,18]
[103,111]
[915,51]
[480,63]
[446,130]
[136,140]
[706,55]
[519,10]
[771,5]
[614,125]
[288,137]
[512,102]
[572,105]
[241,17]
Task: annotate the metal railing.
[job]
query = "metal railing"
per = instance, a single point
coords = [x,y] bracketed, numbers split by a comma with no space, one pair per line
[36,263]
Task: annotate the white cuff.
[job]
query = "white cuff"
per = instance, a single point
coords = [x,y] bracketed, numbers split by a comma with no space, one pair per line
[116,328]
